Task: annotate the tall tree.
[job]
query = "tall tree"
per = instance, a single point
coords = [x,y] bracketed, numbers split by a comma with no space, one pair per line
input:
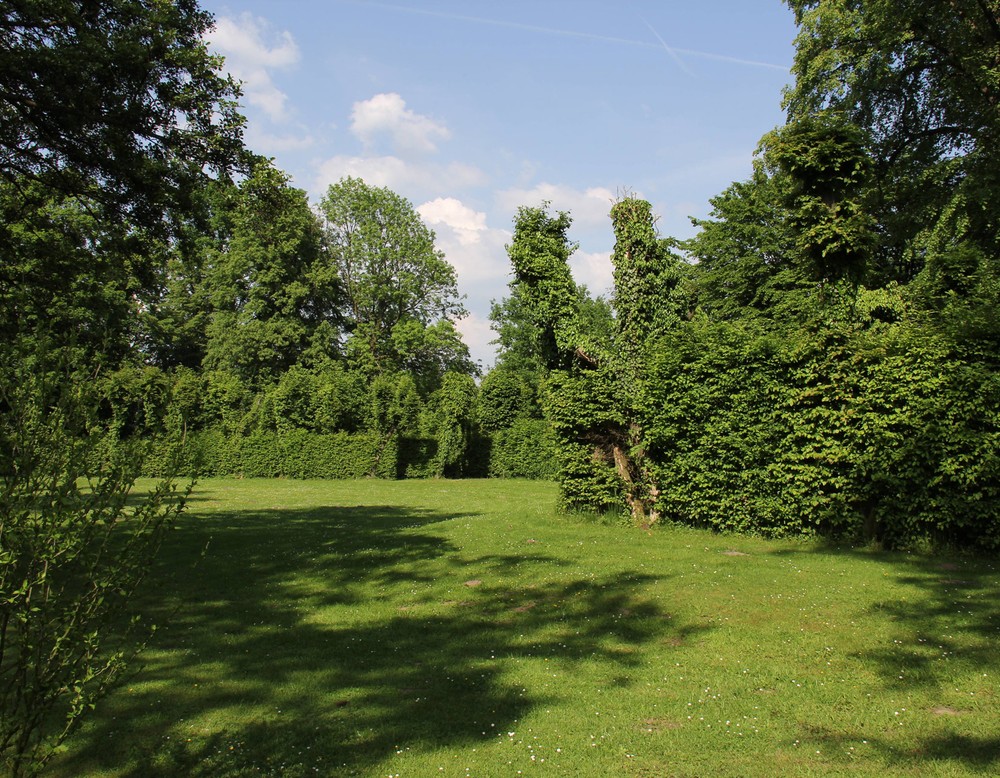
[543,286]
[646,273]
[922,79]
[273,292]
[397,286]
[115,100]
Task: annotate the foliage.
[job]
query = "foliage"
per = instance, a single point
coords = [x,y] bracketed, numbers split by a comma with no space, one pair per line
[525,449]
[453,408]
[117,101]
[113,117]
[74,546]
[826,163]
[272,289]
[543,286]
[68,277]
[747,266]
[517,337]
[921,80]
[505,396]
[876,433]
[396,284]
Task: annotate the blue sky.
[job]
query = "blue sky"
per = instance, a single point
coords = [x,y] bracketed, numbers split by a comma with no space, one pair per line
[472,108]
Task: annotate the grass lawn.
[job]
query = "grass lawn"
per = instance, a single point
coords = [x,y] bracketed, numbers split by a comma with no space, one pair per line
[454,628]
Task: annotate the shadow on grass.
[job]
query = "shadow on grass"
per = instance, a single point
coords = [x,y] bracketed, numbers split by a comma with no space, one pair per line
[322,641]
[946,627]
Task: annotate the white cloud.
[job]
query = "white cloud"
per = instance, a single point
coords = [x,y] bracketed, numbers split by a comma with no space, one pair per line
[252,50]
[387,115]
[593,270]
[477,252]
[588,207]
[477,334]
[415,181]
[467,224]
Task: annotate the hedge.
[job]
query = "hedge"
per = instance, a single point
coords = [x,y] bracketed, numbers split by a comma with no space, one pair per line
[293,454]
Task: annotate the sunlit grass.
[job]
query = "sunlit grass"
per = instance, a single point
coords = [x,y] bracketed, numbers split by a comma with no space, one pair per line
[457,628]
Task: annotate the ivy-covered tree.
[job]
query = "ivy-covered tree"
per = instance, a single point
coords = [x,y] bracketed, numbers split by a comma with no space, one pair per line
[596,363]
[646,273]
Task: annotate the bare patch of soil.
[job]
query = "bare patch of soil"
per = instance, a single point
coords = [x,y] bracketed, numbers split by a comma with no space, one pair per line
[944,710]
[653,726]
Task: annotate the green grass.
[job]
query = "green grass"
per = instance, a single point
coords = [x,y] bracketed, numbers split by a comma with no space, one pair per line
[423,628]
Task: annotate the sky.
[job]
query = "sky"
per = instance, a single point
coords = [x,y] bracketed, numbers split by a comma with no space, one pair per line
[470,109]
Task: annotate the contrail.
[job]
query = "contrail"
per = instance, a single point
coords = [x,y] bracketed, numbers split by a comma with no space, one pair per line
[672,50]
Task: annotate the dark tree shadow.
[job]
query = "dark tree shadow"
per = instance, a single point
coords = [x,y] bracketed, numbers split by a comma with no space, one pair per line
[338,696]
[954,623]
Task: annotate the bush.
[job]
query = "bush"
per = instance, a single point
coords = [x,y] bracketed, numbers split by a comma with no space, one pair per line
[879,434]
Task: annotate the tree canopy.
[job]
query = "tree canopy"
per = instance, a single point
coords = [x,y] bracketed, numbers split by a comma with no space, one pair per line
[400,294]
[115,101]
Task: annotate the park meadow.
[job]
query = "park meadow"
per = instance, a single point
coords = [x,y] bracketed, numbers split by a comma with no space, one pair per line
[731,510]
[468,628]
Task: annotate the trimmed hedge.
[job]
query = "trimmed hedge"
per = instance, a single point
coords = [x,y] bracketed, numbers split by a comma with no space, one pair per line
[885,435]
[296,453]
[526,449]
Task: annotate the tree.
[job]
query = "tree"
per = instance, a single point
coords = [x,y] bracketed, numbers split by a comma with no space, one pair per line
[746,258]
[73,550]
[117,101]
[66,277]
[517,338]
[921,78]
[579,385]
[543,286]
[395,282]
[452,416]
[826,167]
[274,296]
[112,115]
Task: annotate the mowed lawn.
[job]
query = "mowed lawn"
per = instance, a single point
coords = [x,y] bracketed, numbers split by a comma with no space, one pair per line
[454,628]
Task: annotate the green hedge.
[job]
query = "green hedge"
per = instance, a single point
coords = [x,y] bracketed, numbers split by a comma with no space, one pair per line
[526,449]
[887,435]
[293,454]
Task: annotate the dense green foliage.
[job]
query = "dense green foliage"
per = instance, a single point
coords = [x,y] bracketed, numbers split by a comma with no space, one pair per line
[113,118]
[75,543]
[825,360]
[822,357]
